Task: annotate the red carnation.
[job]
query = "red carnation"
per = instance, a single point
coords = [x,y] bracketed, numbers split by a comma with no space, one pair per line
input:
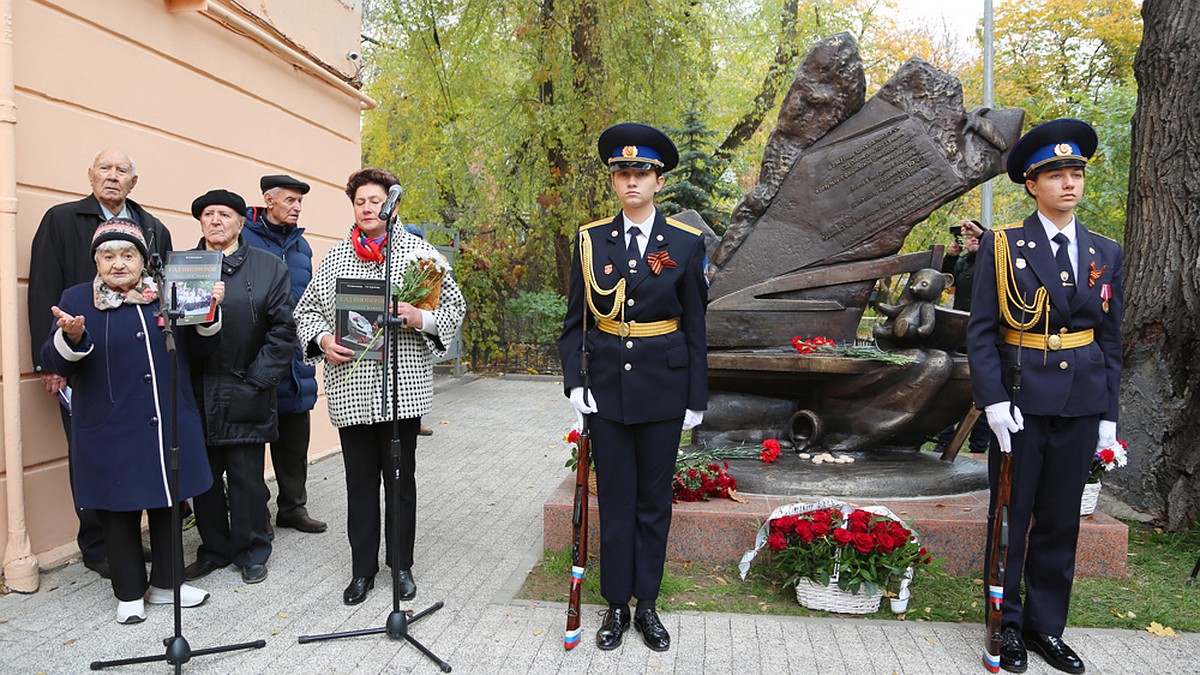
[770,451]
[1107,456]
[573,437]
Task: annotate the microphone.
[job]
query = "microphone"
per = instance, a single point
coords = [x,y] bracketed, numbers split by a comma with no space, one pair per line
[389,207]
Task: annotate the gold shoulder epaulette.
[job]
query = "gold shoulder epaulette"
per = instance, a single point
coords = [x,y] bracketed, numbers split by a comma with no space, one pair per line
[685,227]
[1009,226]
[594,223]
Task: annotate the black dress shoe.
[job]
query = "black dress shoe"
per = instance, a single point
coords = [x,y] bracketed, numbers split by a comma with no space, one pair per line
[1013,656]
[99,567]
[654,634]
[356,592]
[1055,651]
[201,568]
[406,584]
[303,522]
[612,628]
[254,573]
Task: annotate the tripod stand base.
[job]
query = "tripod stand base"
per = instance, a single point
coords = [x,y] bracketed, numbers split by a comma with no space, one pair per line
[178,653]
[396,628]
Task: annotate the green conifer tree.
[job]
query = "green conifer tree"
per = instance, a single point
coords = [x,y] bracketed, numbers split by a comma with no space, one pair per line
[697,183]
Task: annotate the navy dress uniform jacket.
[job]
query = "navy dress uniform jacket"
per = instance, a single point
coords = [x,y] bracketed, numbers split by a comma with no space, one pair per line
[646,379]
[1069,382]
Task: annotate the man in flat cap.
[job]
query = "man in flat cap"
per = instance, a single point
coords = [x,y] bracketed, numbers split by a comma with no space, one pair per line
[636,305]
[61,257]
[1047,296]
[235,389]
[275,228]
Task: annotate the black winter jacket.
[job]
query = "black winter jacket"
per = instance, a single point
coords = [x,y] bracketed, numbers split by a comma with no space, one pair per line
[236,384]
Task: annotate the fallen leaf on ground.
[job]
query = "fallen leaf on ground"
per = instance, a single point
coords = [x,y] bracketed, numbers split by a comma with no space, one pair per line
[1156,628]
[931,640]
[70,642]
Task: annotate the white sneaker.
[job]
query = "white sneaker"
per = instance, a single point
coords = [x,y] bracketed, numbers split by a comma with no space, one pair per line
[133,611]
[189,596]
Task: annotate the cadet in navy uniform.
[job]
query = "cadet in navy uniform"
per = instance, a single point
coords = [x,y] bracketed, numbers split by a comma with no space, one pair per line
[1049,291]
[639,293]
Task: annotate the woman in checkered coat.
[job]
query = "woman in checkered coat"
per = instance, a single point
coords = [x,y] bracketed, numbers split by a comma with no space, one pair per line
[356,390]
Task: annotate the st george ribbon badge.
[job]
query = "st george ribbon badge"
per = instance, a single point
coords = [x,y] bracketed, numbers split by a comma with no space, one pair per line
[1105,295]
[658,261]
[1094,274]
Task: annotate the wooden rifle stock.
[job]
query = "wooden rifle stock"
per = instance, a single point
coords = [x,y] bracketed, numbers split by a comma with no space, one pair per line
[579,520]
[998,553]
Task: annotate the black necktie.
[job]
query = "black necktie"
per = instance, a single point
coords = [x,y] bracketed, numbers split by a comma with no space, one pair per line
[1063,258]
[633,251]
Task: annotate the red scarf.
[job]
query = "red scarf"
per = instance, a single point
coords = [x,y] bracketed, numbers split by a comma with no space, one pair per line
[367,249]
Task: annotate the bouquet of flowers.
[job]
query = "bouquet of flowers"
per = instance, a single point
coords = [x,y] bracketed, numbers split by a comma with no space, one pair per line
[421,283]
[572,439]
[823,345]
[1107,460]
[697,481]
[859,549]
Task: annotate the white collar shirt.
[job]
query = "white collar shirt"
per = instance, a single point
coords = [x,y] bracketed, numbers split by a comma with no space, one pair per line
[1072,238]
[643,228]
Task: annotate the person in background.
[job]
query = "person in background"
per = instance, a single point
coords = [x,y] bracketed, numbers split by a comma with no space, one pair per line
[638,292]
[107,341]
[354,387]
[960,262]
[236,386]
[1048,295]
[275,228]
[61,257]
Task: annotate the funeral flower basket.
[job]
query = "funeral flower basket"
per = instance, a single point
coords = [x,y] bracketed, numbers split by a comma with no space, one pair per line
[841,558]
[1103,461]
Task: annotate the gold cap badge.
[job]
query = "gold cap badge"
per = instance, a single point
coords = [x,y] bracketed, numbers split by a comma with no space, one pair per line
[629,151]
[1062,149]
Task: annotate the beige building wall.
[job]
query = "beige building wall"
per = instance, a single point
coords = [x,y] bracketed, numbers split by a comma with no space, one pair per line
[201,95]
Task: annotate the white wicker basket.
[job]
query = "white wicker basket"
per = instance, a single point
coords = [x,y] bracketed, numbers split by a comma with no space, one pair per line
[833,599]
[1091,492]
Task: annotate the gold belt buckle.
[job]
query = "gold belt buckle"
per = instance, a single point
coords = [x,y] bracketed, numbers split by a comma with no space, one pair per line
[623,329]
[1054,342]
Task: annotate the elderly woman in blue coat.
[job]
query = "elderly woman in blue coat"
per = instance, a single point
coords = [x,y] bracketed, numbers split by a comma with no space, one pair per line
[108,343]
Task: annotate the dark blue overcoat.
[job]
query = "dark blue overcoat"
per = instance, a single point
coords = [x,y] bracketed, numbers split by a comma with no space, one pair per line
[121,404]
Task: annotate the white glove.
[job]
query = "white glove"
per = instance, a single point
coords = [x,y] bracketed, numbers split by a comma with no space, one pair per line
[1003,423]
[1108,435]
[581,406]
[692,419]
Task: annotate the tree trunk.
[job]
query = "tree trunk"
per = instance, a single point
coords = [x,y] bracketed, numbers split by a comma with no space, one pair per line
[1160,387]
[786,54]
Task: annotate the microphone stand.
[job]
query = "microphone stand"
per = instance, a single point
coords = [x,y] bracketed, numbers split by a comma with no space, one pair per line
[178,652]
[396,626]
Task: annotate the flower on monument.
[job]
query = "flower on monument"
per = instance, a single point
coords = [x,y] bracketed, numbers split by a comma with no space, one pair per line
[1107,460]
[770,450]
[823,345]
[857,548]
[697,481]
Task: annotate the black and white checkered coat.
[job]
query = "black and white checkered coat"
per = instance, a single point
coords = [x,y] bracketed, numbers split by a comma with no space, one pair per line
[356,398]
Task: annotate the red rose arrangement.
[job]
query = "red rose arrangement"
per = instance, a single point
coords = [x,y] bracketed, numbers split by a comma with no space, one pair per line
[863,549]
[700,482]
[770,450]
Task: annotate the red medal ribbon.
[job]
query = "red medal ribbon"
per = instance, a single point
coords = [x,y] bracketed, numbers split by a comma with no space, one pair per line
[659,260]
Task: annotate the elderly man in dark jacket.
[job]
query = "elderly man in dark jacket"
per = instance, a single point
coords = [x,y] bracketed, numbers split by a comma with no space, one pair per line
[274,228]
[237,388]
[61,257]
